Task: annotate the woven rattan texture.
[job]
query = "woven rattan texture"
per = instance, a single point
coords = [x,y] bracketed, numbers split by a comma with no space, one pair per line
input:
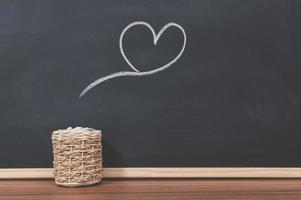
[78,158]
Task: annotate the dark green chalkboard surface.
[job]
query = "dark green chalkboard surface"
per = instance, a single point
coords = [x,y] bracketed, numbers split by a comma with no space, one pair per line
[232,97]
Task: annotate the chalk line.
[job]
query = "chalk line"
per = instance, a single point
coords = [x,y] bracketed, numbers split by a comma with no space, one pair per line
[136,72]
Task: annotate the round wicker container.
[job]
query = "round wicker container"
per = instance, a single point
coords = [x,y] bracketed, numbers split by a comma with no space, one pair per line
[77,156]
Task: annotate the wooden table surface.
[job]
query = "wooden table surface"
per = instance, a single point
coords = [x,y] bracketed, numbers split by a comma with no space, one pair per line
[157,189]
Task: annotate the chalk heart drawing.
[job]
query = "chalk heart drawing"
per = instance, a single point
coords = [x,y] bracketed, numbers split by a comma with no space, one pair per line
[135,71]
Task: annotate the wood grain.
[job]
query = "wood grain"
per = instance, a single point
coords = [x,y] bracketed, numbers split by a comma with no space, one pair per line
[182,172]
[159,189]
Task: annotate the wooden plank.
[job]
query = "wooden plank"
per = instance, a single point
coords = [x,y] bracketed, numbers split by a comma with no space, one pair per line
[155,189]
[182,172]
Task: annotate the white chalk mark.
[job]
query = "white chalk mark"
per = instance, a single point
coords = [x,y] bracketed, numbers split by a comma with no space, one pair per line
[136,72]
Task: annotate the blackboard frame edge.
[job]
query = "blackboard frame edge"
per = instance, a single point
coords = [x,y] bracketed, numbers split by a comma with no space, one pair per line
[165,172]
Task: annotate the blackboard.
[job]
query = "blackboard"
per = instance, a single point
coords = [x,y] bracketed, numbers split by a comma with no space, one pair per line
[231,99]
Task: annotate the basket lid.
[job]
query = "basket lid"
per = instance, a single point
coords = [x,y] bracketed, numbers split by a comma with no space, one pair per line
[70,133]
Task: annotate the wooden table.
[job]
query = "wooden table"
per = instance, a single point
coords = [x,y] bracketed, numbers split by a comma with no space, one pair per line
[157,189]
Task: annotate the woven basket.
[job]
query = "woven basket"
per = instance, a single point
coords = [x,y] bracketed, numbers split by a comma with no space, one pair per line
[77,156]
